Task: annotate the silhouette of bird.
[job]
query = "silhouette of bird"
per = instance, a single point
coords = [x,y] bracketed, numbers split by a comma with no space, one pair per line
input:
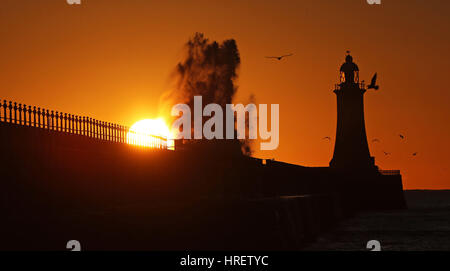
[279,57]
[415,154]
[386,153]
[375,140]
[401,136]
[327,138]
[373,83]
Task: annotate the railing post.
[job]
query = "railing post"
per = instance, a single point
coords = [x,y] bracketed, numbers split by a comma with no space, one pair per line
[75,125]
[42,113]
[39,117]
[65,122]
[88,121]
[58,124]
[99,129]
[77,122]
[87,127]
[115,132]
[57,120]
[80,125]
[47,119]
[112,132]
[69,118]
[91,125]
[84,126]
[108,134]
[34,116]
[94,128]
[94,133]
[53,119]
[10,107]
[46,113]
[104,130]
[15,113]
[61,118]
[4,110]
[25,115]
[20,114]
[70,123]
[29,115]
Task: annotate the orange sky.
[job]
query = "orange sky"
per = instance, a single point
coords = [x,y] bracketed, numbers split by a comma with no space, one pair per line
[111,60]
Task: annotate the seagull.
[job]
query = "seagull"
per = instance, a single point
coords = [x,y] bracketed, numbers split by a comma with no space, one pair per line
[373,83]
[327,138]
[279,57]
[386,153]
[401,136]
[375,140]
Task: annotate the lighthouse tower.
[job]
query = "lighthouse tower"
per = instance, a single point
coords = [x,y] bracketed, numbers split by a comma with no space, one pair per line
[351,151]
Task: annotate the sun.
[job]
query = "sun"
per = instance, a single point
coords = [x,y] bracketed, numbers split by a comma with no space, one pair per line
[152,133]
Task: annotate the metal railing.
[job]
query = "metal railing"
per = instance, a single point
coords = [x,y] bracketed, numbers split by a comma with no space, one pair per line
[361,85]
[40,118]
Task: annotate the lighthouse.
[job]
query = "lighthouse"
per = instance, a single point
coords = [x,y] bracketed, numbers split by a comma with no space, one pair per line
[351,151]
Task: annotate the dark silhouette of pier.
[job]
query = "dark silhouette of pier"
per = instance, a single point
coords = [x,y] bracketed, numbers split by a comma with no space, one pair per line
[67,177]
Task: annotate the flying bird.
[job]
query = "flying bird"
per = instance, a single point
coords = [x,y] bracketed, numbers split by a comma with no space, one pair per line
[415,154]
[279,57]
[373,83]
[401,136]
[327,138]
[375,140]
[386,153]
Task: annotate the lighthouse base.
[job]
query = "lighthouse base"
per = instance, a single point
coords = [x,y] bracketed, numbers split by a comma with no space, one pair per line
[366,192]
